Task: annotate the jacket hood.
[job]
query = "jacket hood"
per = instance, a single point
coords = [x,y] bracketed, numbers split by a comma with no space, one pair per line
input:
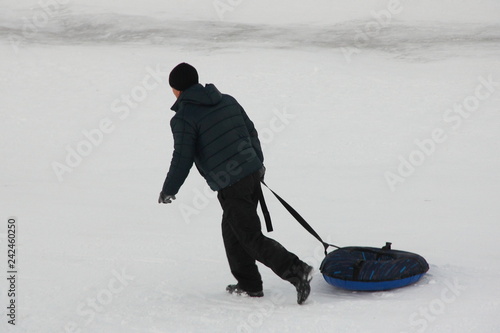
[200,95]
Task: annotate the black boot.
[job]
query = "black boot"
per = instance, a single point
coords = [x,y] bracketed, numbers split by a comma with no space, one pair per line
[300,277]
[304,286]
[236,289]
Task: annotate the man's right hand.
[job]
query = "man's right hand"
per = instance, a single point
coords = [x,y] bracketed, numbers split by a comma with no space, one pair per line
[165,198]
[262,173]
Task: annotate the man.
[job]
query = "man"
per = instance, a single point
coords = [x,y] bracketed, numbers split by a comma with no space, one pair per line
[213,131]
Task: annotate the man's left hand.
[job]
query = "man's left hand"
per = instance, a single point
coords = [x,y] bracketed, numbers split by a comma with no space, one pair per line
[165,198]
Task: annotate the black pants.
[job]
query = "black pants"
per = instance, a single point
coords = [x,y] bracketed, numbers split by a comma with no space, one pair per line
[243,238]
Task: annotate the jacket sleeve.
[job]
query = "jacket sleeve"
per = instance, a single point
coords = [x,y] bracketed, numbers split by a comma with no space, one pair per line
[253,136]
[182,157]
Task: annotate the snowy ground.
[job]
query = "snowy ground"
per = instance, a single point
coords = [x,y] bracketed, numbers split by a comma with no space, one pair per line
[340,109]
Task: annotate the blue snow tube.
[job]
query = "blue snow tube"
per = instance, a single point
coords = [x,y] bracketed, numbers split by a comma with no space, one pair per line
[372,269]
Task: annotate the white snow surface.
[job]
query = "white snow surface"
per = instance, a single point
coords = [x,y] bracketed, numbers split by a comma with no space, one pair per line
[343,94]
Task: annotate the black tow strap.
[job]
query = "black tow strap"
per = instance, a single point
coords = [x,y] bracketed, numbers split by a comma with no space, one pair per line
[293,212]
[265,211]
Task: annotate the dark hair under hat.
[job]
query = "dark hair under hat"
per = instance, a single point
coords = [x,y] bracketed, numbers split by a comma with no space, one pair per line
[183,76]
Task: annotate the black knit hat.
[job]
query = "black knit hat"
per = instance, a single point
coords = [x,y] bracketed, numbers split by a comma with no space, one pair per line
[183,76]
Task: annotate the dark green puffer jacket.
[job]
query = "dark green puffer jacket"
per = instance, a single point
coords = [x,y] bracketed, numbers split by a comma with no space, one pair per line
[213,131]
